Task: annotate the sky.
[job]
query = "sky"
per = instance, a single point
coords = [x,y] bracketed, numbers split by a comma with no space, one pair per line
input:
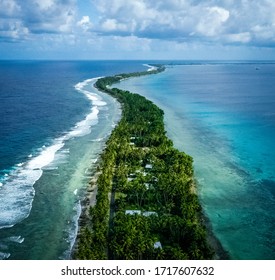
[137,29]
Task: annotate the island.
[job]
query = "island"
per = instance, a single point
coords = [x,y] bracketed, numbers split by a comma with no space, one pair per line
[145,205]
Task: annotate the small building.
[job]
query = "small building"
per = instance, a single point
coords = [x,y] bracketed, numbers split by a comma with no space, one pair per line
[131,177]
[132,212]
[157,245]
[149,213]
[148,166]
[132,140]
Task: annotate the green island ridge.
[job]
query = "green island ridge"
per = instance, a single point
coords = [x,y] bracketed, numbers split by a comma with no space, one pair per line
[142,202]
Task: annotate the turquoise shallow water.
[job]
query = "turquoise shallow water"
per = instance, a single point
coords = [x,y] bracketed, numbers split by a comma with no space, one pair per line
[224,116]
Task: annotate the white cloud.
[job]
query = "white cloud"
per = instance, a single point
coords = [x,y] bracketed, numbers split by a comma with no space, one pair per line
[162,18]
[226,21]
[244,37]
[45,4]
[85,23]
[165,26]
[212,21]
[9,8]
[12,30]
[177,20]
[50,16]
[113,25]
[264,32]
[47,16]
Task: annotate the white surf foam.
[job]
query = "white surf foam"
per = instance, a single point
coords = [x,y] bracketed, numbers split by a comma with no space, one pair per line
[151,68]
[4,256]
[46,156]
[98,139]
[16,239]
[72,232]
[16,189]
[92,96]
[83,128]
[17,192]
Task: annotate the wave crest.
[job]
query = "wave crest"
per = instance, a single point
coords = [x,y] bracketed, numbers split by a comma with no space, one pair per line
[17,186]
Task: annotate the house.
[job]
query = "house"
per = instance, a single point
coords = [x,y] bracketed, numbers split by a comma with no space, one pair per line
[132,140]
[131,177]
[132,212]
[149,213]
[157,245]
[148,166]
[138,212]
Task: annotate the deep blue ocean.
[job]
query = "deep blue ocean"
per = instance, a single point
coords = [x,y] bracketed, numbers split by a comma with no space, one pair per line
[223,115]
[53,127]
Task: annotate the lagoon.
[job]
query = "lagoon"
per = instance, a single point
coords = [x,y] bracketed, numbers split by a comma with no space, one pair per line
[222,114]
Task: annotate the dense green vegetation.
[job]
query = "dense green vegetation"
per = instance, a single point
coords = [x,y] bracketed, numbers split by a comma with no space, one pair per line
[146,205]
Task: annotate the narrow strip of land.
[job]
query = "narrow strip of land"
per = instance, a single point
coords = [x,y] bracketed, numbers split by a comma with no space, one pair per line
[146,207]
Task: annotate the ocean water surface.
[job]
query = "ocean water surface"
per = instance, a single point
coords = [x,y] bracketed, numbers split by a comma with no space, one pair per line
[223,114]
[54,124]
[53,127]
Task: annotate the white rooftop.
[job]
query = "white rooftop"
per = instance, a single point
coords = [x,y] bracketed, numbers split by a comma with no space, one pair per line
[149,213]
[157,245]
[132,212]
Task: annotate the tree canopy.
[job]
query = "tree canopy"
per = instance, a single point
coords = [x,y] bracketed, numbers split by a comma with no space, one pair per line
[146,207]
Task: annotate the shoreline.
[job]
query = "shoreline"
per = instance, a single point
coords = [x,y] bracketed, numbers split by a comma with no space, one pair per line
[220,252]
[92,190]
